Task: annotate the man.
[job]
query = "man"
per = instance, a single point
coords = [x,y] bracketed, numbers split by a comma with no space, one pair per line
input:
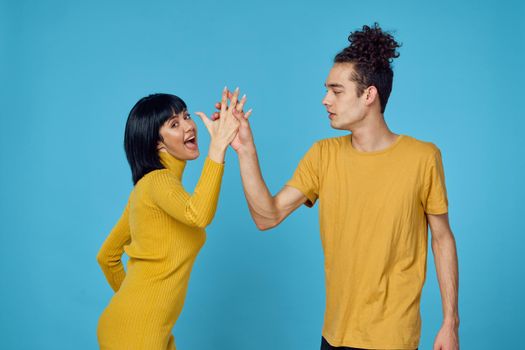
[378,191]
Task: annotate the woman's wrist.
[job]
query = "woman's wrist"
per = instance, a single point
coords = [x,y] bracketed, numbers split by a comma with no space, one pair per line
[217,152]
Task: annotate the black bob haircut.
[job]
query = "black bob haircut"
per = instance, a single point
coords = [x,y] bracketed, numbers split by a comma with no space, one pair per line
[142,131]
[371,51]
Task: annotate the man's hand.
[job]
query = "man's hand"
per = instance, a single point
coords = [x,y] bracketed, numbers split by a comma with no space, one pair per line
[244,138]
[447,338]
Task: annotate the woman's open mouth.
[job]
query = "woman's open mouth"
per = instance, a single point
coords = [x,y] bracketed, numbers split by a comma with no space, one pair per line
[191,143]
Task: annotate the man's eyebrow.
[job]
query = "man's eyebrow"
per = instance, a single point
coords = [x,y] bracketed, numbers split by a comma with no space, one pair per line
[334,85]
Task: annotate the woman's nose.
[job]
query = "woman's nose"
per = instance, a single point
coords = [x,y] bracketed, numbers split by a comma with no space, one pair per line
[188,126]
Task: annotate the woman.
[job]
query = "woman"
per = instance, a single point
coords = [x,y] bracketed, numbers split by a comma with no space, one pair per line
[162,227]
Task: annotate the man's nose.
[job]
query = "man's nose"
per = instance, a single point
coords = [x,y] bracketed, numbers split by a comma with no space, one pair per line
[326,101]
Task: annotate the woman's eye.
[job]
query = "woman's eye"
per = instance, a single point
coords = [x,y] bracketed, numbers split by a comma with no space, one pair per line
[188,116]
[174,125]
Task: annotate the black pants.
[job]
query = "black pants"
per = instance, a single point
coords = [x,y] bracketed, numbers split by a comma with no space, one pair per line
[326,346]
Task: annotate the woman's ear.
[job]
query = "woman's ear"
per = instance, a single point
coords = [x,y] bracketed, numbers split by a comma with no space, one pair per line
[160,146]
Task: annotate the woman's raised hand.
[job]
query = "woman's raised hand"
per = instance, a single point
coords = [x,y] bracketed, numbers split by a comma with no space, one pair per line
[243,141]
[224,129]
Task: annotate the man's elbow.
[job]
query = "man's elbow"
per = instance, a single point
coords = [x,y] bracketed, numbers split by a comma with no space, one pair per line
[265,225]
[443,242]
[440,236]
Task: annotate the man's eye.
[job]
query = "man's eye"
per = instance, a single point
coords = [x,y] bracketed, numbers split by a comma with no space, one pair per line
[337,92]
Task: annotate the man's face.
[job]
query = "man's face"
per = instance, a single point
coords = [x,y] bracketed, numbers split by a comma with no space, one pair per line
[344,108]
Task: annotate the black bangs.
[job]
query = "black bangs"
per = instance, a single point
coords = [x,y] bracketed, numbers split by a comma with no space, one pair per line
[142,131]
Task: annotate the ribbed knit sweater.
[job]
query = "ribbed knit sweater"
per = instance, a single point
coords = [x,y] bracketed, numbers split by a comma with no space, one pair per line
[161,231]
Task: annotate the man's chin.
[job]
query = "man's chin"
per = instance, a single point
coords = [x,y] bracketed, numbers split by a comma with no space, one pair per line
[336,126]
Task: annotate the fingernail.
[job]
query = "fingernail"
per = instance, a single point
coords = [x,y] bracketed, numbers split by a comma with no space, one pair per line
[237,89]
[225,88]
[243,97]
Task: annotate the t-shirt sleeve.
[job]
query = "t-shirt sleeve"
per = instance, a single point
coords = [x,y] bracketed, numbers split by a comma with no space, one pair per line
[306,176]
[434,197]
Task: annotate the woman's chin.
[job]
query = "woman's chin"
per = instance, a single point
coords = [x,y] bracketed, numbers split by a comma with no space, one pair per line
[191,152]
[194,155]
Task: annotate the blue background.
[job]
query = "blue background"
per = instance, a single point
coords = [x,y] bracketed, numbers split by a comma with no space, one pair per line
[70,72]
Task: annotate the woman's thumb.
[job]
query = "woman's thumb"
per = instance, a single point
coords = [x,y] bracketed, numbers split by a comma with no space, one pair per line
[207,122]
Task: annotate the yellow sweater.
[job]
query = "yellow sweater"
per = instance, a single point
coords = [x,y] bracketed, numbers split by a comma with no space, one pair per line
[162,231]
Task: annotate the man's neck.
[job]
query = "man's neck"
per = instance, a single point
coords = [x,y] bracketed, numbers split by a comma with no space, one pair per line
[373,135]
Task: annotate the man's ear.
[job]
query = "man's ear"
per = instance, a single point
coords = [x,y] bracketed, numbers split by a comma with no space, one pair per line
[371,95]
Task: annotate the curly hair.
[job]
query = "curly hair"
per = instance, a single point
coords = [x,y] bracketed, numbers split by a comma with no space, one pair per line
[371,51]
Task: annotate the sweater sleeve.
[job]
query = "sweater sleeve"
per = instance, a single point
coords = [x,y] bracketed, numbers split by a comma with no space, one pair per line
[110,255]
[197,209]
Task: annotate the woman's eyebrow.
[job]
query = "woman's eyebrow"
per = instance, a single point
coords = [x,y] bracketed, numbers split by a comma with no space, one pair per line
[175,116]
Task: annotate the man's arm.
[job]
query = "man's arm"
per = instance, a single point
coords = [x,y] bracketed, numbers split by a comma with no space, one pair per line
[446,261]
[267,211]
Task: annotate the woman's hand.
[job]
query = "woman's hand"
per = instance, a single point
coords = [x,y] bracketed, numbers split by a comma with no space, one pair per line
[243,141]
[224,129]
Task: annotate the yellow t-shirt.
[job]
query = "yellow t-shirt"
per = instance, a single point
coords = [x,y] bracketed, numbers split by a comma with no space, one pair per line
[373,225]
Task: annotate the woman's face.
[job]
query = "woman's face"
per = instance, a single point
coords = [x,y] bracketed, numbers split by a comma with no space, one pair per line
[179,137]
